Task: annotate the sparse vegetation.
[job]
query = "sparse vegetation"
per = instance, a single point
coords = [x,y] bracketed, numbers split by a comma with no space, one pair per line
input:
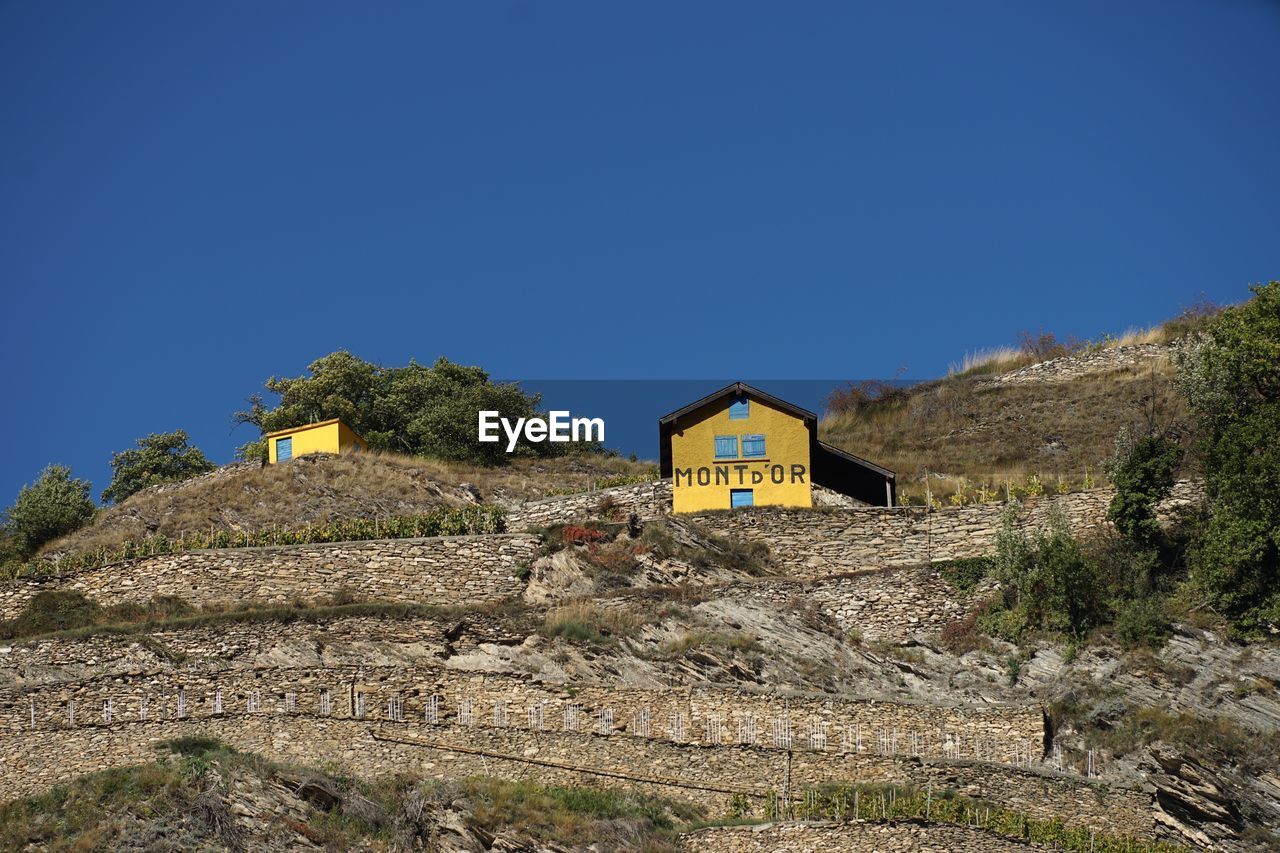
[737,641]
[963,439]
[184,798]
[890,802]
[320,488]
[70,614]
[443,521]
[588,623]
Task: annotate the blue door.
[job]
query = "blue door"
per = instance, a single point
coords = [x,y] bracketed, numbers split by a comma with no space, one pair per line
[284,449]
[742,497]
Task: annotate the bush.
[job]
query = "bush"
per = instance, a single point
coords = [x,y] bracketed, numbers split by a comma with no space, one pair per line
[1046,583]
[1228,375]
[962,636]
[54,505]
[965,573]
[1142,622]
[1142,471]
[158,458]
[54,610]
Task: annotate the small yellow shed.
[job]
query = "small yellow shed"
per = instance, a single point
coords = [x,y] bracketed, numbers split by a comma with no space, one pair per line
[331,436]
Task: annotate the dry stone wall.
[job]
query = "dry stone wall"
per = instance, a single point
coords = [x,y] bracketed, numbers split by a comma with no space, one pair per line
[705,714]
[899,836]
[816,543]
[888,604]
[436,570]
[644,499]
[347,640]
[713,776]
[1071,367]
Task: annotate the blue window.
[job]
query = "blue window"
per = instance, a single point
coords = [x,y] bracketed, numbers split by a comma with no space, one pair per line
[284,449]
[726,447]
[740,410]
[753,446]
[742,497]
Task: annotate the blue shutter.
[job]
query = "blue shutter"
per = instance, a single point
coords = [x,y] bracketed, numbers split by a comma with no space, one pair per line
[726,447]
[742,497]
[284,449]
[740,410]
[753,446]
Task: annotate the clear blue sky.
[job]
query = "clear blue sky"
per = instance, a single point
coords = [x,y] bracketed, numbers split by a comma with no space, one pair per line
[194,196]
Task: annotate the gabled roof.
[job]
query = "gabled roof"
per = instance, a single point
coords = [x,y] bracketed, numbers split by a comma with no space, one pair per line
[329,422]
[739,389]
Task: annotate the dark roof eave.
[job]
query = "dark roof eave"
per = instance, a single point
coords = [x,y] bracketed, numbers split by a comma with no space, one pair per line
[858,459]
[739,388]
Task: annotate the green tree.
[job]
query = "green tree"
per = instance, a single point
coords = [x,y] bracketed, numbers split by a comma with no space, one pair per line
[415,409]
[1230,374]
[163,457]
[1142,471]
[54,505]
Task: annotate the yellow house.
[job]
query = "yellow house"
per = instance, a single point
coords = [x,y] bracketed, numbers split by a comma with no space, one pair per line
[331,436]
[742,447]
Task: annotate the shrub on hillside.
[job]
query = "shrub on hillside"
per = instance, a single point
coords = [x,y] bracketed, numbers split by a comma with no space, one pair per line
[1142,469]
[853,397]
[53,610]
[159,458]
[965,573]
[1046,345]
[54,505]
[1047,583]
[1229,377]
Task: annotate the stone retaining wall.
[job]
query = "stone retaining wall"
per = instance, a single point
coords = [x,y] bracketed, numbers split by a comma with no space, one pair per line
[888,604]
[814,543]
[898,836]
[436,570]
[335,641]
[645,499]
[707,715]
[711,776]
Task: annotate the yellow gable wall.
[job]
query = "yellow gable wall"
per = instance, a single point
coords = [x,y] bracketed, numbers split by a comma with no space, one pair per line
[702,482]
[316,439]
[348,440]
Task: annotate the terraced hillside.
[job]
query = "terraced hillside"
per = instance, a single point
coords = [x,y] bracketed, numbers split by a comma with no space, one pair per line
[713,671]
[603,675]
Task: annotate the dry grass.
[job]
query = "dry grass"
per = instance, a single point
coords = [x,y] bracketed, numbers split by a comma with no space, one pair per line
[589,623]
[322,488]
[990,360]
[967,438]
[737,641]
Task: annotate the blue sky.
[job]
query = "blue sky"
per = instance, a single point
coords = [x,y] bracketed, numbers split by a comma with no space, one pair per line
[196,196]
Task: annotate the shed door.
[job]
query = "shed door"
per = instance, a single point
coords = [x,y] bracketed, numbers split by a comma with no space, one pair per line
[284,449]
